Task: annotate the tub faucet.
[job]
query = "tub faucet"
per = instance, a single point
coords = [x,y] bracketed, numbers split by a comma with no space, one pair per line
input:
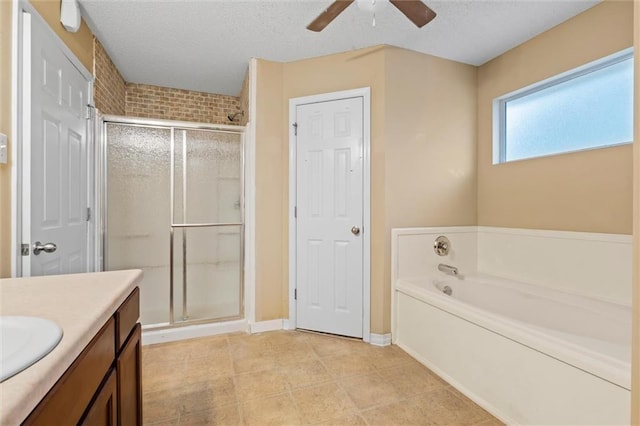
[451,270]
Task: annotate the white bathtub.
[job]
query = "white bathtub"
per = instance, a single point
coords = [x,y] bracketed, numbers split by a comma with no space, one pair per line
[529,355]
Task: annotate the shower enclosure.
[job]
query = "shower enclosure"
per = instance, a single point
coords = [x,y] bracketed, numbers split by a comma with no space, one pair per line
[173,207]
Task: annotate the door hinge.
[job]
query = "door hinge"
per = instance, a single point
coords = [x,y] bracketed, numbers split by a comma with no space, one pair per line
[88,214]
[295,129]
[89,112]
[24,249]
[295,211]
[295,294]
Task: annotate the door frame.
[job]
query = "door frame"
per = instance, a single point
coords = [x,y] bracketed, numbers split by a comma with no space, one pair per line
[21,131]
[365,94]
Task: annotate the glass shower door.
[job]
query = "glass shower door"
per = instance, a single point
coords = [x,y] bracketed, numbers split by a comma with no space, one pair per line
[174,209]
[207,228]
[137,217]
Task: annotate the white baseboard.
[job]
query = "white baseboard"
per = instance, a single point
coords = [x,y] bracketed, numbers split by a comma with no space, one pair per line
[151,336]
[262,326]
[380,339]
[287,324]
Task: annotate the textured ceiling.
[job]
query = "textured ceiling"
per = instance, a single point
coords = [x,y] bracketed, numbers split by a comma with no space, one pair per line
[205,45]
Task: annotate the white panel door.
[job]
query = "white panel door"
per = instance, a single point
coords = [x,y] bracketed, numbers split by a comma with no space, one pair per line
[329,198]
[58,158]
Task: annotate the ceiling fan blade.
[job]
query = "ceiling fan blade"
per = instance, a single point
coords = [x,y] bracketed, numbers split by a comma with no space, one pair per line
[415,10]
[329,15]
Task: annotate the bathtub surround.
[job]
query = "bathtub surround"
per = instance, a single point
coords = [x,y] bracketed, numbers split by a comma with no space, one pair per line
[493,363]
[582,263]
[587,358]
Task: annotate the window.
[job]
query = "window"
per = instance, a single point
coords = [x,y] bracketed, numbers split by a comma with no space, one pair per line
[589,107]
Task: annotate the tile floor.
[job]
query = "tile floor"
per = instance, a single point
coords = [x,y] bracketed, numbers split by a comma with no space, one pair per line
[291,378]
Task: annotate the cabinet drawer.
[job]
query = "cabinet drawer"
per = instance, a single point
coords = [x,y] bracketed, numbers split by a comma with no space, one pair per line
[127,316]
[67,400]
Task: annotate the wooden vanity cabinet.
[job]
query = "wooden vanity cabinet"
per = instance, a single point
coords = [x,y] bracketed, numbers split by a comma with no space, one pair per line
[103,386]
[104,410]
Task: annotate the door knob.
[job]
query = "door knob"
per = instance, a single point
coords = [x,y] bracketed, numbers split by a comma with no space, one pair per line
[47,248]
[355,230]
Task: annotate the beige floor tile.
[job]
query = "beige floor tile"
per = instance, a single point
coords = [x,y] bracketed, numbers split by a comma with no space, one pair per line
[305,373]
[398,413]
[412,379]
[348,365]
[446,408]
[260,384]
[326,346]
[199,369]
[215,393]
[491,422]
[158,409]
[370,390]
[288,338]
[346,420]
[254,363]
[227,415]
[199,396]
[158,376]
[294,355]
[185,349]
[288,377]
[276,410]
[322,402]
[171,422]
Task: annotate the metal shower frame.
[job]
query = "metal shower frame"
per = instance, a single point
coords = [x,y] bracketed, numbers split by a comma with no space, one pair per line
[101,206]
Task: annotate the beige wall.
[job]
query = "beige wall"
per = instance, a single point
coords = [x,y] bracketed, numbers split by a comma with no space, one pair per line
[270,174]
[244,99]
[81,44]
[422,126]
[430,145]
[586,191]
[5,127]
[635,368]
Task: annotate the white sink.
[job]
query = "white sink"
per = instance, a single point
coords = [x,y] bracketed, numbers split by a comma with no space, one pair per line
[25,341]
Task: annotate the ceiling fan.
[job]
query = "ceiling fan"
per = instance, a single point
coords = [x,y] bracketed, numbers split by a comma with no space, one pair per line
[415,10]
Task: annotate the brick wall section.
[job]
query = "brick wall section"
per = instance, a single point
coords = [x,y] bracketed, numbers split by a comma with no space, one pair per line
[109,86]
[147,101]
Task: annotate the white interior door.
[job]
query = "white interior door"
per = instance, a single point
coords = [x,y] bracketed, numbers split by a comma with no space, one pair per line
[55,183]
[329,199]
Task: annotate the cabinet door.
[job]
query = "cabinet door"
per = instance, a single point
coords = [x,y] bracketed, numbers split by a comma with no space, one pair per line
[129,368]
[103,411]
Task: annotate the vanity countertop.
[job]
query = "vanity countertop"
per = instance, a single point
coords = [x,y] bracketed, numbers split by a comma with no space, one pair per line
[80,304]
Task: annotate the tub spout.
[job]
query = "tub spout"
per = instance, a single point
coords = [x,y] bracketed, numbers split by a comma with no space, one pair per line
[451,270]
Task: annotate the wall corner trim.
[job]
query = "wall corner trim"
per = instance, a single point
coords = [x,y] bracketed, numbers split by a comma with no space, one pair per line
[270,325]
[380,339]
